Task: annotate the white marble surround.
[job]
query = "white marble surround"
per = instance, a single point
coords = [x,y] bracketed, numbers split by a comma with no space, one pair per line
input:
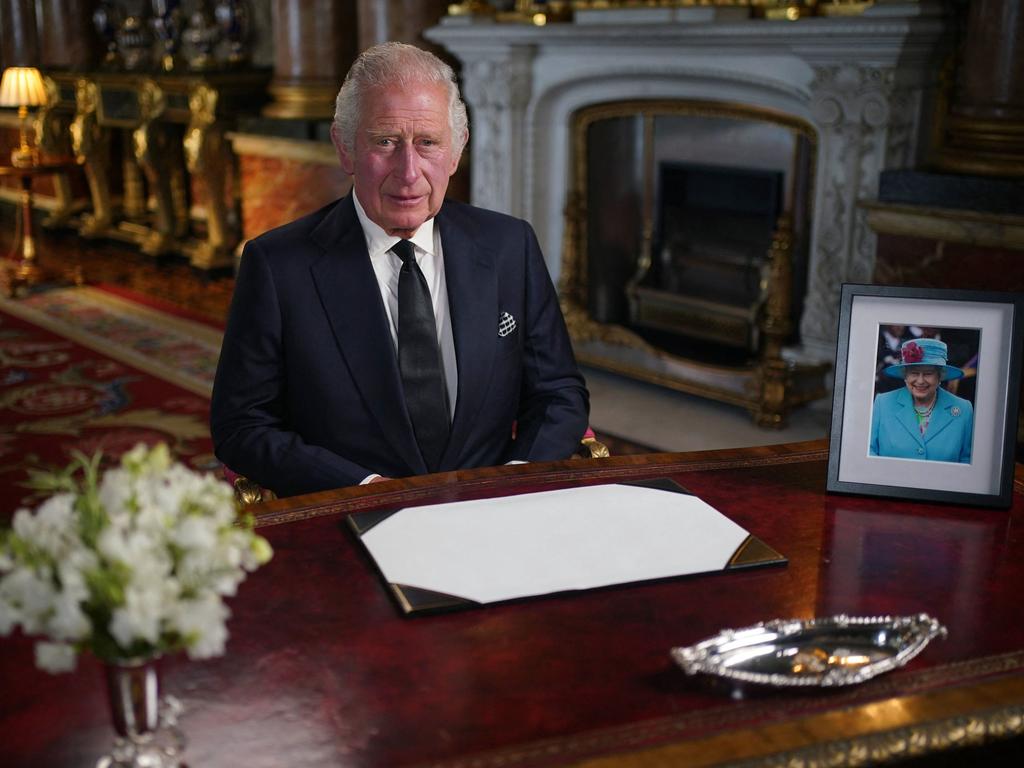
[863,83]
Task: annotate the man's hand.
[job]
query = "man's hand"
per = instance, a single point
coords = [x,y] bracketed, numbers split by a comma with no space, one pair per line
[378,479]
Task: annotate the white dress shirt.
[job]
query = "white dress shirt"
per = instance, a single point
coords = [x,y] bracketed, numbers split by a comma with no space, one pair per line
[430,258]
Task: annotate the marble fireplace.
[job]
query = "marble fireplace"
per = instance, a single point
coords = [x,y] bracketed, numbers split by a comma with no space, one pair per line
[858,87]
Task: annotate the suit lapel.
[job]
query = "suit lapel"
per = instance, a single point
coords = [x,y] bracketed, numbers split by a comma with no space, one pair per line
[941,417]
[905,414]
[472,283]
[350,296]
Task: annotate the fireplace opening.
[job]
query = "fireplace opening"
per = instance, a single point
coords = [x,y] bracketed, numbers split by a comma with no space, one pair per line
[681,205]
[713,231]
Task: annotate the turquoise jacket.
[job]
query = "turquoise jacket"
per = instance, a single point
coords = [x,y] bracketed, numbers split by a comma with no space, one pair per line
[894,430]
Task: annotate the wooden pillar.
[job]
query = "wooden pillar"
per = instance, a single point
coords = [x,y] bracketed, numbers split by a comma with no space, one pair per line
[400,20]
[19,46]
[67,37]
[984,132]
[315,43]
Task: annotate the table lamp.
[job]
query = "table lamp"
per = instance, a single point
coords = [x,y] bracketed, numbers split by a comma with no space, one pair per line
[22,87]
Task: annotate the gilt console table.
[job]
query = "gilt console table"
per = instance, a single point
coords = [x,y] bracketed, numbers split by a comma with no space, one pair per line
[168,130]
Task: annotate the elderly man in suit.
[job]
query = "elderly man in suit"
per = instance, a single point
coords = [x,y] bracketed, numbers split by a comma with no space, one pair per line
[922,420]
[393,332]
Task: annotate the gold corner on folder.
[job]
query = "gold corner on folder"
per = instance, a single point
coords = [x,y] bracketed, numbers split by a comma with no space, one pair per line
[753,551]
[403,602]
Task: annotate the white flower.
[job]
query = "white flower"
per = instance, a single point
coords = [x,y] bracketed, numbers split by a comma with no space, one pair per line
[68,621]
[144,608]
[143,553]
[203,624]
[115,494]
[52,528]
[257,553]
[151,544]
[142,459]
[71,571]
[196,533]
[211,569]
[55,657]
[31,594]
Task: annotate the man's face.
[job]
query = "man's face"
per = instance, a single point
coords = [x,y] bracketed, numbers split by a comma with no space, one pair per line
[402,156]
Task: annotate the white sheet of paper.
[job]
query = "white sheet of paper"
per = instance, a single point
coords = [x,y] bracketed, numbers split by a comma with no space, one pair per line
[539,543]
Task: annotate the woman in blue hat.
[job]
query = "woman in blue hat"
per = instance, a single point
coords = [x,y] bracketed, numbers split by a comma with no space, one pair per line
[922,420]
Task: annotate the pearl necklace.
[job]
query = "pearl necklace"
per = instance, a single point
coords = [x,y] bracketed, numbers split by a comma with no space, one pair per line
[927,411]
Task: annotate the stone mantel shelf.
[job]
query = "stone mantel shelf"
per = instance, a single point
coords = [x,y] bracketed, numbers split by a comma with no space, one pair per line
[813,38]
[863,84]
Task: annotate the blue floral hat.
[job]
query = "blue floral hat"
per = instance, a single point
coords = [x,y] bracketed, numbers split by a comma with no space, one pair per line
[924,352]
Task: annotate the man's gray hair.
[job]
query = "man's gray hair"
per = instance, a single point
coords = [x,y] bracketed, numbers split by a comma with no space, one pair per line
[396,65]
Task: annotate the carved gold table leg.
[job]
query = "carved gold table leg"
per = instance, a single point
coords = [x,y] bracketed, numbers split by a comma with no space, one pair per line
[206,158]
[91,145]
[150,144]
[180,192]
[52,139]
[60,215]
[134,200]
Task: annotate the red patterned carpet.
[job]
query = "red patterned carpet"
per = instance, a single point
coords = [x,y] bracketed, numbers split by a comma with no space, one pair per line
[99,369]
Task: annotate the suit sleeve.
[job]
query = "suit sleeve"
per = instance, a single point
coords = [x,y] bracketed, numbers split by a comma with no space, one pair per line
[554,405]
[248,412]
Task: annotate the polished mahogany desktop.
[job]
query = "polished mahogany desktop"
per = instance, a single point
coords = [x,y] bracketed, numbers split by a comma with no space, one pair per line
[322,670]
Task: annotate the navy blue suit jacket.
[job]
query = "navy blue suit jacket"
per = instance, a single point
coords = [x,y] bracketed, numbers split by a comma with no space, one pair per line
[308,395]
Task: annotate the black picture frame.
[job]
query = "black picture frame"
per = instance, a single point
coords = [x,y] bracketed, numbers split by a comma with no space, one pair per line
[998,318]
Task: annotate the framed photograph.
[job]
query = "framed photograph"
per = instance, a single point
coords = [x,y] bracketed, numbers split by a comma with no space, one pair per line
[927,389]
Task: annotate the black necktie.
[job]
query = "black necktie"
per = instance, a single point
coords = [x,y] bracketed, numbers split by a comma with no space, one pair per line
[419,359]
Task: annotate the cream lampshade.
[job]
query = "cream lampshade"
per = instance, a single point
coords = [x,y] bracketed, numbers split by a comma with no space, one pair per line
[22,87]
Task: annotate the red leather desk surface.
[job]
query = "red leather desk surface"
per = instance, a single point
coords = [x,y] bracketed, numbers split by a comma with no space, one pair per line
[323,670]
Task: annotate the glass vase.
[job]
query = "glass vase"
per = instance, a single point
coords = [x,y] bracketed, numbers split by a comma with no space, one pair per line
[146,723]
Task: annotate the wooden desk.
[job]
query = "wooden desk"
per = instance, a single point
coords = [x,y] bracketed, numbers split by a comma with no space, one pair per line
[322,670]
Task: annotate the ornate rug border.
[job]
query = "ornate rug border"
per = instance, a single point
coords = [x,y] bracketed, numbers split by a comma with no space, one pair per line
[195,331]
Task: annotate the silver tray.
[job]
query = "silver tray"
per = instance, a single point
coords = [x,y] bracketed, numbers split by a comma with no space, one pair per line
[840,650]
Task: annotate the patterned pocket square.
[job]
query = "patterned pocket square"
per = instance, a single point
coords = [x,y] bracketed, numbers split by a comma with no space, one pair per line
[506,324]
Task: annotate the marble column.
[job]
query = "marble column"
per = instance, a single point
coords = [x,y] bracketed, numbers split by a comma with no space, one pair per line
[866,121]
[985,126]
[497,88]
[67,37]
[19,45]
[315,43]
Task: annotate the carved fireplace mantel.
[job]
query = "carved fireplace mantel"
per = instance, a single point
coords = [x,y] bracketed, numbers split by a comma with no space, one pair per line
[862,83]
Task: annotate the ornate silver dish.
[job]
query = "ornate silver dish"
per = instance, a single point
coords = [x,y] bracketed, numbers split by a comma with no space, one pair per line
[840,650]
